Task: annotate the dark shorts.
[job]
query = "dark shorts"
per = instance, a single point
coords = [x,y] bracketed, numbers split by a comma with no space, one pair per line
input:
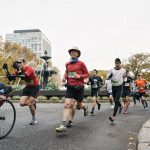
[94,92]
[142,94]
[31,91]
[75,92]
[126,93]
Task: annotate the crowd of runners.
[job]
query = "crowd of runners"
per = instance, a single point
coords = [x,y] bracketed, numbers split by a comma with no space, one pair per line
[119,83]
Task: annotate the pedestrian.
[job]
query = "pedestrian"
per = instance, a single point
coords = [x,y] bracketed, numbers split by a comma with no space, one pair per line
[108,86]
[141,85]
[117,75]
[75,74]
[96,82]
[31,89]
[127,89]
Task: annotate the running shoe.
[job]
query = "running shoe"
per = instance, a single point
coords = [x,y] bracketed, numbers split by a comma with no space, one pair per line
[86,112]
[99,106]
[69,124]
[33,122]
[61,128]
[111,119]
[92,113]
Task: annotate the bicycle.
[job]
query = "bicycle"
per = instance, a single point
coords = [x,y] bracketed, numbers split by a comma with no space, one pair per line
[7,116]
[7,109]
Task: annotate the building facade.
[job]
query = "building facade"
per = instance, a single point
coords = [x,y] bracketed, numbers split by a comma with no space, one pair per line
[33,39]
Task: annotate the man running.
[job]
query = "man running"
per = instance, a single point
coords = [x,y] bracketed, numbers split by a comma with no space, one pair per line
[127,89]
[141,84]
[117,75]
[31,89]
[108,86]
[96,82]
[74,76]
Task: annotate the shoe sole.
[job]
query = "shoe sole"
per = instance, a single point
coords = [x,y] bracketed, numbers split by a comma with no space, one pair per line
[60,131]
[111,119]
[32,124]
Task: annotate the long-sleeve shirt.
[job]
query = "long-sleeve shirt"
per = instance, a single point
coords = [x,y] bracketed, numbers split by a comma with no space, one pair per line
[76,68]
[117,76]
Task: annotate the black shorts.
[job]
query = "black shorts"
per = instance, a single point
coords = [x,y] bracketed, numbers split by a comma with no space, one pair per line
[126,93]
[75,92]
[31,91]
[142,94]
[94,92]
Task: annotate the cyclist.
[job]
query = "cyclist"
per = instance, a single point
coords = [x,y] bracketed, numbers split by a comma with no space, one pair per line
[74,76]
[141,84]
[96,82]
[31,89]
[117,75]
[108,86]
[127,89]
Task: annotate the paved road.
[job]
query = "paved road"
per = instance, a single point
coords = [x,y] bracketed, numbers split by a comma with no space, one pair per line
[89,133]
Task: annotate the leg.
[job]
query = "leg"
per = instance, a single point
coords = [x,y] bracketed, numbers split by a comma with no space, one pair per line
[67,114]
[31,101]
[83,106]
[94,104]
[24,101]
[117,91]
[134,99]
[127,104]
[72,113]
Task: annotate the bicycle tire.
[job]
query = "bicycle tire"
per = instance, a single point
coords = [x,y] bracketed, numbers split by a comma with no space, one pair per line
[7,111]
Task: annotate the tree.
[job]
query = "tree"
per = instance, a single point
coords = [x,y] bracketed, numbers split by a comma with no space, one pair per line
[139,63]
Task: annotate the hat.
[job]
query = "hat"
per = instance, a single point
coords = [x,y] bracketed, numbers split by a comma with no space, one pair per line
[76,49]
[20,60]
[117,60]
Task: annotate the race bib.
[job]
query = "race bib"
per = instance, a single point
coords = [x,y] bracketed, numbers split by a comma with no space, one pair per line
[71,74]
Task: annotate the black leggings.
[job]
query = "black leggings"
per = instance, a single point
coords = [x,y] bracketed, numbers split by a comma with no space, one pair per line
[117,92]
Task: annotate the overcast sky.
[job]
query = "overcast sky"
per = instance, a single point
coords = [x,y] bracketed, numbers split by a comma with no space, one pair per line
[101,29]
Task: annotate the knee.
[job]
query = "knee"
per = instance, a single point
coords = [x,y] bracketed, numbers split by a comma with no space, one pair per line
[67,105]
[22,104]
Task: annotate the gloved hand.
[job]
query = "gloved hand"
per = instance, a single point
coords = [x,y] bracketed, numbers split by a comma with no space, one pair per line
[11,77]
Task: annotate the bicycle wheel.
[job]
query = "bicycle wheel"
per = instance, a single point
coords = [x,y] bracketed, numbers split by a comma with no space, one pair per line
[7,117]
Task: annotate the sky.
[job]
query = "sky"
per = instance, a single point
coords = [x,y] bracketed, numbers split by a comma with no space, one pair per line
[102,29]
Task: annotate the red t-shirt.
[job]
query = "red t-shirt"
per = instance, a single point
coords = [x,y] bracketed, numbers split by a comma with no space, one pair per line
[31,78]
[76,68]
[141,84]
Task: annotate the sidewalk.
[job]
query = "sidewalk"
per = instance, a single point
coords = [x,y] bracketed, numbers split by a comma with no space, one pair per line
[144,136]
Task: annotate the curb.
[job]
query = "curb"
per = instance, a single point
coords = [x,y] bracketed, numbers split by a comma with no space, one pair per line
[144,136]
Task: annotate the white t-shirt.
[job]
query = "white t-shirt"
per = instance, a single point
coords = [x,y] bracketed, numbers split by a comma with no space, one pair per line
[117,76]
[108,86]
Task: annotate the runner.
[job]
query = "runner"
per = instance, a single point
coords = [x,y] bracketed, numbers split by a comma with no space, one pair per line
[127,89]
[96,82]
[117,75]
[31,89]
[75,74]
[141,85]
[108,86]
[135,93]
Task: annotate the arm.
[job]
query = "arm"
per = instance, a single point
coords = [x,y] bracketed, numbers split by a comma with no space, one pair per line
[109,75]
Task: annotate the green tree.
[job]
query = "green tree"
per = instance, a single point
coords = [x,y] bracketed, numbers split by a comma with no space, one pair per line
[138,63]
